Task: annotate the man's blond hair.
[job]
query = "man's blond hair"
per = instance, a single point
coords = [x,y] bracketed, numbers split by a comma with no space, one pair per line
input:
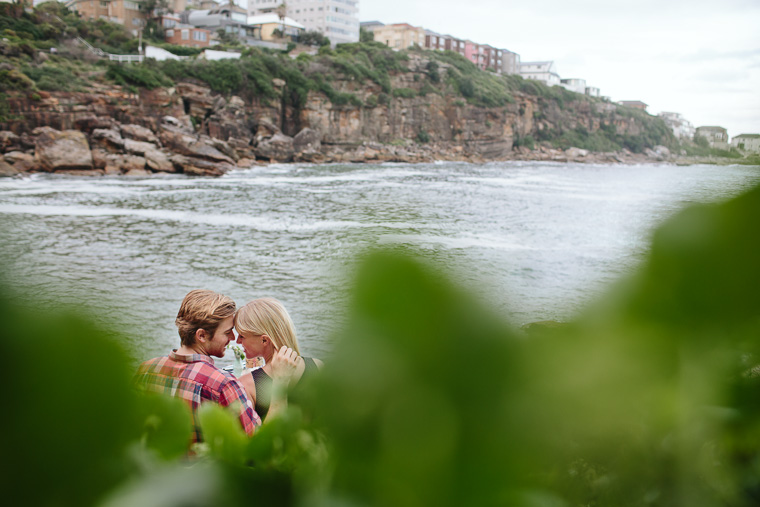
[202,309]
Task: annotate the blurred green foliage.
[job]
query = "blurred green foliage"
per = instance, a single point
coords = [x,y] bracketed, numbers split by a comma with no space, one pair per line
[431,398]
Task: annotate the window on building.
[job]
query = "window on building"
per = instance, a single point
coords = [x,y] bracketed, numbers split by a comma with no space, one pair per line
[198,35]
[185,34]
[132,6]
[169,34]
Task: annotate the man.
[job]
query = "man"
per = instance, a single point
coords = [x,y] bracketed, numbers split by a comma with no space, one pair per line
[205,324]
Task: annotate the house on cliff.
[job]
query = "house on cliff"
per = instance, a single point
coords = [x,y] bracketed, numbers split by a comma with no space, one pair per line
[680,126]
[400,35]
[747,142]
[546,72]
[574,85]
[229,17]
[717,137]
[635,104]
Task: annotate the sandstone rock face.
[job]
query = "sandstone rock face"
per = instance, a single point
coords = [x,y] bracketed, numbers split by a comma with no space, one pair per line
[278,148]
[198,100]
[67,150]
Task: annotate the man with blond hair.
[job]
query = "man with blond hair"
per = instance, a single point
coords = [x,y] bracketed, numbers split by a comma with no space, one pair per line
[205,324]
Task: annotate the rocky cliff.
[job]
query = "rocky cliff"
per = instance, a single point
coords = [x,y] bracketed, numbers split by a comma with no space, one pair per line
[191,128]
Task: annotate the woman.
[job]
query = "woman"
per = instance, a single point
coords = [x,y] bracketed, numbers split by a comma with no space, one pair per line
[265,329]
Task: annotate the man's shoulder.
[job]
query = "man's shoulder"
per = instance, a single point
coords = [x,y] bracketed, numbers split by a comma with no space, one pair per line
[156,362]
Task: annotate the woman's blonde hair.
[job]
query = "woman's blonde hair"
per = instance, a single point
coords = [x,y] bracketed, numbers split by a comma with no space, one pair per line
[268,316]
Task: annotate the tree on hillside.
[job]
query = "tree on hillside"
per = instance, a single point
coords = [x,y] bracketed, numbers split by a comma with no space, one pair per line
[282,11]
[313,38]
[366,35]
[152,10]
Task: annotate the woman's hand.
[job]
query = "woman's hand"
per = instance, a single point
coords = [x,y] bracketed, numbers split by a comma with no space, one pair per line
[285,364]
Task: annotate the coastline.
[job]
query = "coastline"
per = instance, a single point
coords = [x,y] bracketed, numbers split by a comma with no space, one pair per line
[134,150]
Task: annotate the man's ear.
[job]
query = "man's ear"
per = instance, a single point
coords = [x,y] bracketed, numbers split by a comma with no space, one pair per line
[201,335]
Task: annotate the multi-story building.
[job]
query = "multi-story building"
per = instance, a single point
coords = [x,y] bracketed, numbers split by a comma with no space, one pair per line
[592,91]
[747,142]
[678,124]
[510,62]
[440,42]
[574,85]
[545,72]
[175,32]
[123,12]
[400,35]
[338,20]
[716,136]
[228,17]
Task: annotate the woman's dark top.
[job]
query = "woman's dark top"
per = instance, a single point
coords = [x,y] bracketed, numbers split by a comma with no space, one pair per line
[264,385]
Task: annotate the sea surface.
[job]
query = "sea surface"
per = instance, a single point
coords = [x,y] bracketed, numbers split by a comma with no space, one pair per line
[536,241]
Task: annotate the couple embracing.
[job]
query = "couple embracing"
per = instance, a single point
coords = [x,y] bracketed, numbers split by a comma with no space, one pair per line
[207,322]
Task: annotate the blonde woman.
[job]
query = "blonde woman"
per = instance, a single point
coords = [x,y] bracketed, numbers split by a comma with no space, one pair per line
[265,329]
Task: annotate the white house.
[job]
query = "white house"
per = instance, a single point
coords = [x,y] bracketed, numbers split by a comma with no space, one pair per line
[747,142]
[574,85]
[592,91]
[540,71]
[680,126]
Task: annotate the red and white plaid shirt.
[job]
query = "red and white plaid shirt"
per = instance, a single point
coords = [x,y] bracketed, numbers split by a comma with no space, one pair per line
[195,379]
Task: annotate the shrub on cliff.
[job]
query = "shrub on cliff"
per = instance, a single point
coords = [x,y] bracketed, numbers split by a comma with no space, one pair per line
[137,75]
[55,75]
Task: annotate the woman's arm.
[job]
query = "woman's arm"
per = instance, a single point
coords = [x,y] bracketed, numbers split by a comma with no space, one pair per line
[285,364]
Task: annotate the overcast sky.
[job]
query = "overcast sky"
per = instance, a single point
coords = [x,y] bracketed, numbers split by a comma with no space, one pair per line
[700,58]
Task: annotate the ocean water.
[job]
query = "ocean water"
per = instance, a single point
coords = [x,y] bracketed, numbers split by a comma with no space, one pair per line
[534,240]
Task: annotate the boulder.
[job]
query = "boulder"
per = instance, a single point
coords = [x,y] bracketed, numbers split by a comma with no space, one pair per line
[662,151]
[109,139]
[22,162]
[190,146]
[88,122]
[9,141]
[246,163]
[158,161]
[199,167]
[99,158]
[265,128]
[576,152]
[62,151]
[136,171]
[7,170]
[278,148]
[223,147]
[307,139]
[175,124]
[235,103]
[139,133]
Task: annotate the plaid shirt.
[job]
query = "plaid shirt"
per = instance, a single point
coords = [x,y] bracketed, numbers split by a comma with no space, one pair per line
[195,379]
